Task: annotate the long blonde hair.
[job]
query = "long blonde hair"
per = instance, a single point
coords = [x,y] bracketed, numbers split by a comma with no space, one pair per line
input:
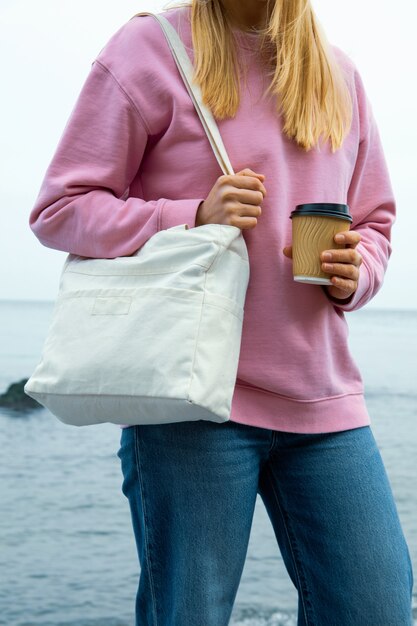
[312,93]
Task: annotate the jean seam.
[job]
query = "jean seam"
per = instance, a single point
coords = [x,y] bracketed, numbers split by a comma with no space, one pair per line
[291,538]
[145,525]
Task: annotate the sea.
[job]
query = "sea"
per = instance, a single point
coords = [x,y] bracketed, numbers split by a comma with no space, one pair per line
[67,551]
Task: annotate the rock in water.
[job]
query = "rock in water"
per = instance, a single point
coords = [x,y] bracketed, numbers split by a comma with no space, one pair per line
[16,398]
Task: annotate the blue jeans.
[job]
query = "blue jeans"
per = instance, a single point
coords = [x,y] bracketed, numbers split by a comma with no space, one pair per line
[192,487]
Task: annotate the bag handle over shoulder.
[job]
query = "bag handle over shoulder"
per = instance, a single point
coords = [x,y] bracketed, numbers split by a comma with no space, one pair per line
[186,70]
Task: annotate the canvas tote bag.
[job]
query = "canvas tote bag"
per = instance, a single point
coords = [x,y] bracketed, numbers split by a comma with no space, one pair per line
[153,337]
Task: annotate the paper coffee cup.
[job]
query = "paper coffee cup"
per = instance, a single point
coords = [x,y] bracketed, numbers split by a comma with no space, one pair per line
[314,226]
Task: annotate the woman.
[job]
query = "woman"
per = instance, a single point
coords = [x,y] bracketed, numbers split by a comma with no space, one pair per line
[134,159]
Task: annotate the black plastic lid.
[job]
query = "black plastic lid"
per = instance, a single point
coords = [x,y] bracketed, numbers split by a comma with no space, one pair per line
[327,209]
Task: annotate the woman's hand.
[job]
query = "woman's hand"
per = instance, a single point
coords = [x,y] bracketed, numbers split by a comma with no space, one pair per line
[234,199]
[344,265]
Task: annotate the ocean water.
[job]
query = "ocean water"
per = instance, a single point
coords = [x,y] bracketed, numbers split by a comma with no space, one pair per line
[68,556]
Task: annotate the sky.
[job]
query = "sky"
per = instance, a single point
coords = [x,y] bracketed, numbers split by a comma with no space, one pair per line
[46,51]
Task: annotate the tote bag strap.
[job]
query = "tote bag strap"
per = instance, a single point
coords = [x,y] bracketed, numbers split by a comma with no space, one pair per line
[186,70]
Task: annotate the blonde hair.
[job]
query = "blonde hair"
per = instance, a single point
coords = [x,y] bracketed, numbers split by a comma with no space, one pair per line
[312,93]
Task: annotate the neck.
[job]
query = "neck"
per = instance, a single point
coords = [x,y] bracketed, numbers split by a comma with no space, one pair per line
[246,14]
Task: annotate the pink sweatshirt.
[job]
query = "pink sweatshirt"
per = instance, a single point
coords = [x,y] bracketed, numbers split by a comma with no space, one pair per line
[134,159]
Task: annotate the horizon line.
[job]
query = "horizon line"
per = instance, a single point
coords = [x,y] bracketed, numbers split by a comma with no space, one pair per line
[52,301]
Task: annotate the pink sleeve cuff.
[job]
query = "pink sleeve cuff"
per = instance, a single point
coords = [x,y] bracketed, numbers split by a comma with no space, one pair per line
[176,212]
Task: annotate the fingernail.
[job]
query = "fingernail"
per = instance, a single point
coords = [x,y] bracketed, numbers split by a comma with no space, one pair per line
[339,238]
[326,256]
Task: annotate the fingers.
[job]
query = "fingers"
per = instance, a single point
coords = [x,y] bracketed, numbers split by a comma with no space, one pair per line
[344,284]
[244,181]
[248,172]
[344,255]
[344,262]
[350,237]
[342,269]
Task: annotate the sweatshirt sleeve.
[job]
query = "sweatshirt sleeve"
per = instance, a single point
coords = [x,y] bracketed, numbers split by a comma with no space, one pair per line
[373,207]
[83,205]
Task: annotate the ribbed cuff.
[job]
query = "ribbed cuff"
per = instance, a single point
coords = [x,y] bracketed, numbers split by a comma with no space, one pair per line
[176,212]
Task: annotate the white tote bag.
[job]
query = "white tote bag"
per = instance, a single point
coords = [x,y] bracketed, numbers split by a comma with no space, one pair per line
[153,337]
